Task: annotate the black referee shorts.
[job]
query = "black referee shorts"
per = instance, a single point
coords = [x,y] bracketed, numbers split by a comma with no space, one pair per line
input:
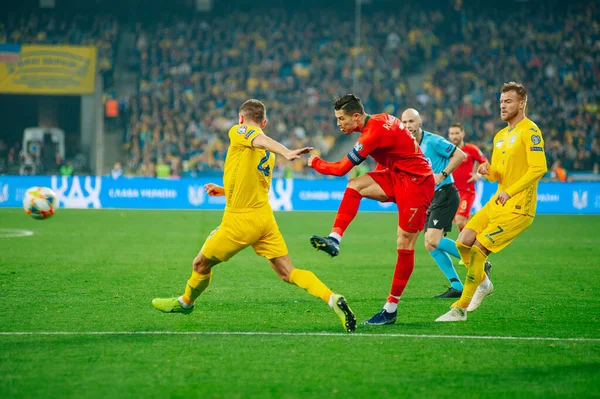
[443,208]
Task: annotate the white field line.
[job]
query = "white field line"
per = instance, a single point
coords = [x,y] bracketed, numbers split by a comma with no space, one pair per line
[9,233]
[299,334]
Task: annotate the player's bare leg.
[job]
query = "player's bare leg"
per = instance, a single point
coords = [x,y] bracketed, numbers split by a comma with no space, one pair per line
[197,283]
[358,188]
[404,267]
[460,222]
[306,279]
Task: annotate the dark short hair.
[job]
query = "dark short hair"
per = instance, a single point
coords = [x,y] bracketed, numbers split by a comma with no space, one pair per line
[458,125]
[517,87]
[254,110]
[349,103]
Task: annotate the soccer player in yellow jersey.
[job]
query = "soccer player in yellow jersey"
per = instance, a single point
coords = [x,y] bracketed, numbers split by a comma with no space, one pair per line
[518,163]
[248,219]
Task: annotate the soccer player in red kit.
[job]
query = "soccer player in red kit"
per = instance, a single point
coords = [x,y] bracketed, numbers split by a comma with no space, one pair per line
[404,176]
[465,175]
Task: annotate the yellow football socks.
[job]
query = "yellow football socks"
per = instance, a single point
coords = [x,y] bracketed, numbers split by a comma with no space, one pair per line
[465,253]
[474,276]
[196,286]
[311,283]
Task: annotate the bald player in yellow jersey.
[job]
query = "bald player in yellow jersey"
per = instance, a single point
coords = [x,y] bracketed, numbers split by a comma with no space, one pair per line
[248,219]
[518,163]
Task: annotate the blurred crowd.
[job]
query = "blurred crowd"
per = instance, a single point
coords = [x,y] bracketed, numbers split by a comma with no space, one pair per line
[556,55]
[194,74]
[195,71]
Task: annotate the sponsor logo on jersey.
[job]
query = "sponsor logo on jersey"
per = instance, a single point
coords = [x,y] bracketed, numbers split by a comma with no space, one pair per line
[499,143]
[533,129]
[513,139]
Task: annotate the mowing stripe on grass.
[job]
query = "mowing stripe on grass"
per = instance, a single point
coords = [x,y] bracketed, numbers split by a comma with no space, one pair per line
[298,334]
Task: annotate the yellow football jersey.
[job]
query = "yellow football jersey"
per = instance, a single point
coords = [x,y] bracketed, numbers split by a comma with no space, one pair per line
[518,163]
[248,170]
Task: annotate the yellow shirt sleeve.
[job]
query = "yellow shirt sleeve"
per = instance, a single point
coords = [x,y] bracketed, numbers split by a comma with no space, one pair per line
[493,176]
[243,135]
[536,160]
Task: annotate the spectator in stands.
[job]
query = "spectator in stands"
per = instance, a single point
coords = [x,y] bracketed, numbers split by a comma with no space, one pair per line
[117,171]
[163,170]
[558,173]
[3,157]
[66,169]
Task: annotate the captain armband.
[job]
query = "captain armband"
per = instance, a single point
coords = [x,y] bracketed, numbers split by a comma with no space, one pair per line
[355,157]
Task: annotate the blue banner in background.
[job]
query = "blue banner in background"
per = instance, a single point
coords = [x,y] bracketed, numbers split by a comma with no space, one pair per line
[285,194]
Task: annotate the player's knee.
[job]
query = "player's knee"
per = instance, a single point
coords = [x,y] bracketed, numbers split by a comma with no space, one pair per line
[201,264]
[467,237]
[430,245]
[405,240]
[432,239]
[354,184]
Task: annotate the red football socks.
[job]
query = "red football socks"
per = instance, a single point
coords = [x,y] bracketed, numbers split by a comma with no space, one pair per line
[347,211]
[404,268]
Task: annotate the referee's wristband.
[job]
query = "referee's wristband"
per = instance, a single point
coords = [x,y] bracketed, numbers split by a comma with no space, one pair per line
[444,173]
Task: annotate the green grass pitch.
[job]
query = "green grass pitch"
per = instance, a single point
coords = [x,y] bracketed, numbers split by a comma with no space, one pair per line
[98,270]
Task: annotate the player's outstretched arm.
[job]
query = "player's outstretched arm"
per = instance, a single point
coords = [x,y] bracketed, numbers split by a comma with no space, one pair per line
[265,142]
[214,190]
[330,168]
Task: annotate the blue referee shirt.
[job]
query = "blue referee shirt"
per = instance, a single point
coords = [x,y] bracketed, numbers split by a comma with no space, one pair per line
[438,151]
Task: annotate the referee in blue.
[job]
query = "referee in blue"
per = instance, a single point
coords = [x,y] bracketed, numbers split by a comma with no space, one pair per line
[444,157]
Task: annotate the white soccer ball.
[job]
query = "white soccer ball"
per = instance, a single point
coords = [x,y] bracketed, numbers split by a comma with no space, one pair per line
[39,202]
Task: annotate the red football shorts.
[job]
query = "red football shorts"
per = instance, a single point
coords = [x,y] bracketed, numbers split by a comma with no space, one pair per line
[412,194]
[466,203]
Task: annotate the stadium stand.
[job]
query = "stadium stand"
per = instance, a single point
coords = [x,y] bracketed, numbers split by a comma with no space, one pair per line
[195,70]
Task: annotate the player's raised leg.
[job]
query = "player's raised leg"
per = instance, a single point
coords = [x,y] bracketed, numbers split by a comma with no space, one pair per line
[197,283]
[310,282]
[364,186]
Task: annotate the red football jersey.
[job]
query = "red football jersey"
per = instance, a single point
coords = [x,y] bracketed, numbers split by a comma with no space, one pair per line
[391,145]
[465,169]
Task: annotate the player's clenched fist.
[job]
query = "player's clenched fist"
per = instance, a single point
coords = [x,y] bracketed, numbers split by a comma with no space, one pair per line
[214,190]
[484,168]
